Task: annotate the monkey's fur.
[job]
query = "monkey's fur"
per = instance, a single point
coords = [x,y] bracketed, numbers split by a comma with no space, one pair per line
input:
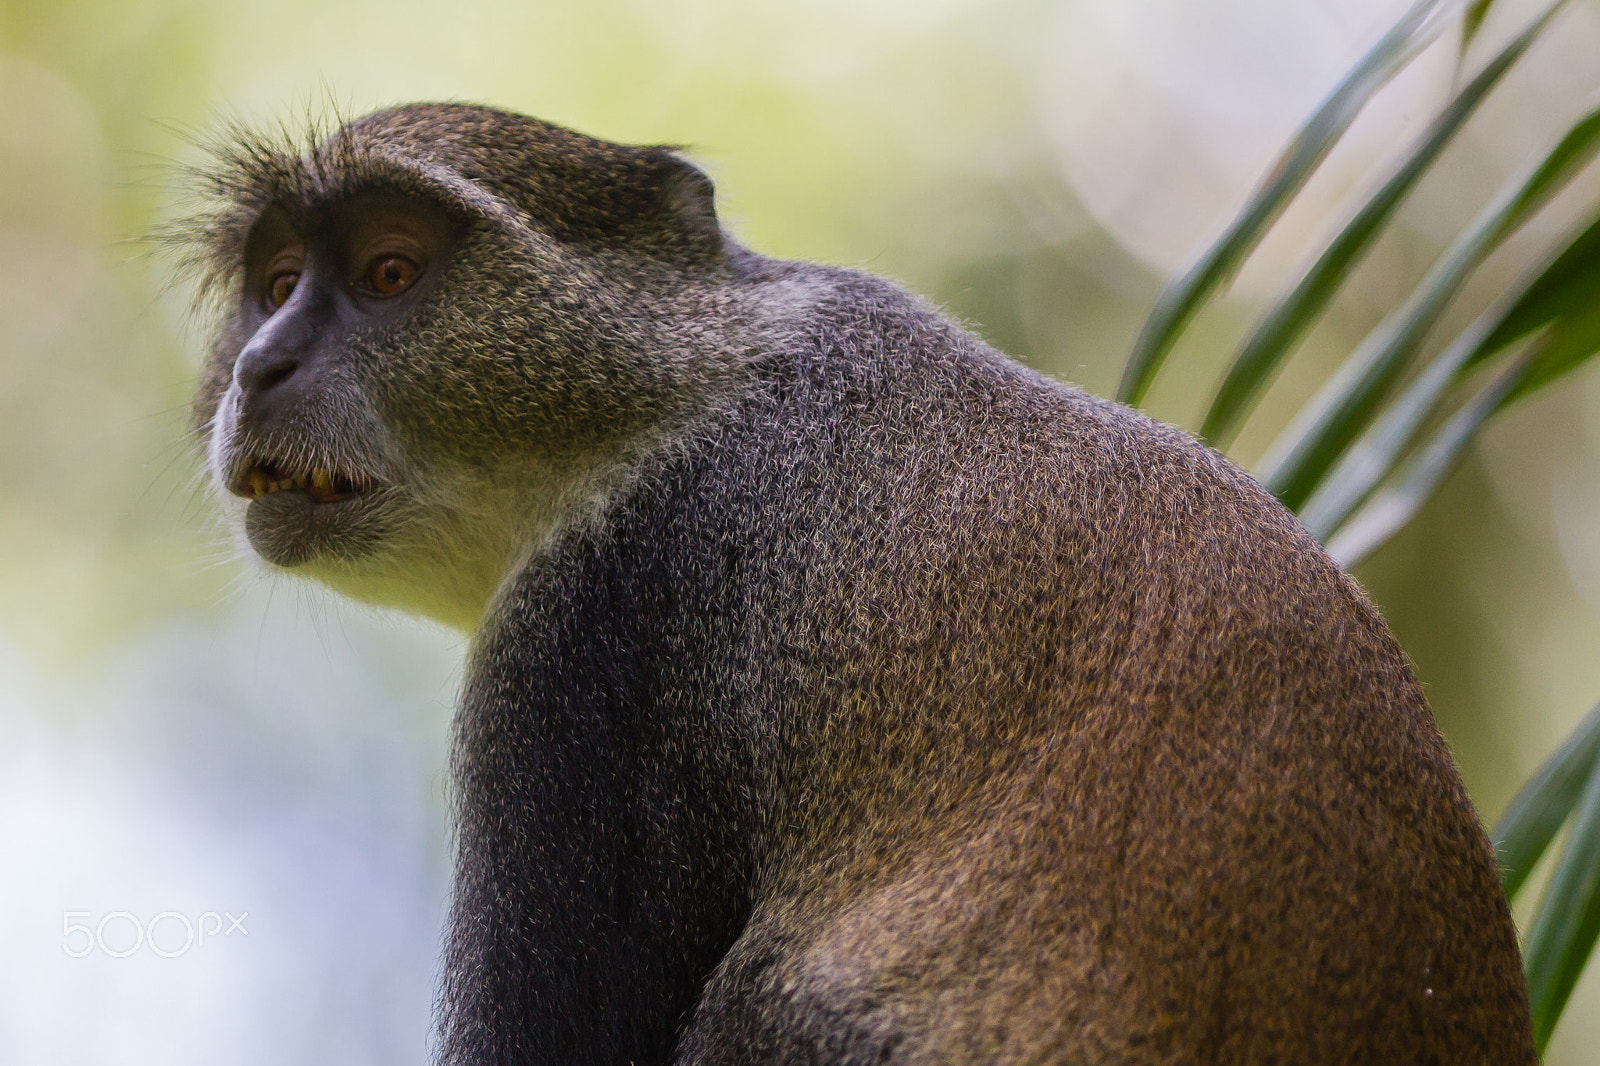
[839,691]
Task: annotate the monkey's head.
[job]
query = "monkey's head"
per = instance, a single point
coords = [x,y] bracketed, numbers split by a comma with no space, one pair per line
[439,330]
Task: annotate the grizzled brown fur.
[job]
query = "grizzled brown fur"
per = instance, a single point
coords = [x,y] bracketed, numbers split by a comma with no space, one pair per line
[844,692]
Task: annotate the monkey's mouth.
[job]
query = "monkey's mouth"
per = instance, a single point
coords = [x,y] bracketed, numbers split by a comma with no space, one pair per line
[303,512]
[263,477]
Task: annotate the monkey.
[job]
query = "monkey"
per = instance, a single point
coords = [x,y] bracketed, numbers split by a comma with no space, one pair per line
[837,690]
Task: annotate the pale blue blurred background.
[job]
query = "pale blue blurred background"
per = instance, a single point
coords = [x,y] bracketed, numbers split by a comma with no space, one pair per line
[180,733]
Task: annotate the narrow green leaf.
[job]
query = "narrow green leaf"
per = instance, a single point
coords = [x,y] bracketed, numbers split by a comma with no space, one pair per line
[1567,924]
[1378,450]
[1304,452]
[1375,454]
[1568,285]
[1567,345]
[1275,336]
[1572,341]
[1535,814]
[1472,21]
[1387,512]
[1178,303]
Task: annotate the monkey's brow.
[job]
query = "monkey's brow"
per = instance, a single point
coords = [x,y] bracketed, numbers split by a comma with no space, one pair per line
[305,191]
[428,183]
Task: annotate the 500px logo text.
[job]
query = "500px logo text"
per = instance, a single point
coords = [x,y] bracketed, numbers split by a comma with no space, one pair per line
[168,934]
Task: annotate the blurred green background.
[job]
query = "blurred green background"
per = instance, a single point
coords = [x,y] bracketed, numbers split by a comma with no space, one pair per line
[181,733]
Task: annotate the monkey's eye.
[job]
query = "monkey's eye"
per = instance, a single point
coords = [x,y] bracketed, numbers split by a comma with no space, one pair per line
[281,287]
[389,275]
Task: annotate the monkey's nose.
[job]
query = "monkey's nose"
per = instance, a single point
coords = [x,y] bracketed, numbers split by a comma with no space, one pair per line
[262,370]
[272,370]
[270,380]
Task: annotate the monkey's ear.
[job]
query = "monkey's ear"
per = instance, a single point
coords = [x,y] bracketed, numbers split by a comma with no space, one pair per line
[646,198]
[687,195]
[688,192]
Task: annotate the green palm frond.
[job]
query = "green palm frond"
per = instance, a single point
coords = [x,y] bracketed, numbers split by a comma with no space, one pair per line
[1179,302]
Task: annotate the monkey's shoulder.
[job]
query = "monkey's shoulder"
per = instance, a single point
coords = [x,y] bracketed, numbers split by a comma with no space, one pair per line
[877,402]
[875,447]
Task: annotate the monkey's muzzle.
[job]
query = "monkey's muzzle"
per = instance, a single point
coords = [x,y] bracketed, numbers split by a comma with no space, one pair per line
[298,515]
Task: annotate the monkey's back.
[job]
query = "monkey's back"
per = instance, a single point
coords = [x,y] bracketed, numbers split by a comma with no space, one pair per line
[1047,735]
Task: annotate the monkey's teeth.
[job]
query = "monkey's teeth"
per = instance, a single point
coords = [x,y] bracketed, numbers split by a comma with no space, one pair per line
[323,485]
[319,480]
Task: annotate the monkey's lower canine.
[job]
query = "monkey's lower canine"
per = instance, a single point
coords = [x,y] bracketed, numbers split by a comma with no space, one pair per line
[839,691]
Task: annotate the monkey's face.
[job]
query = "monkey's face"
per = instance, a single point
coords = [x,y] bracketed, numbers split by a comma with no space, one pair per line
[445,330]
[295,431]
[307,394]
[403,399]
